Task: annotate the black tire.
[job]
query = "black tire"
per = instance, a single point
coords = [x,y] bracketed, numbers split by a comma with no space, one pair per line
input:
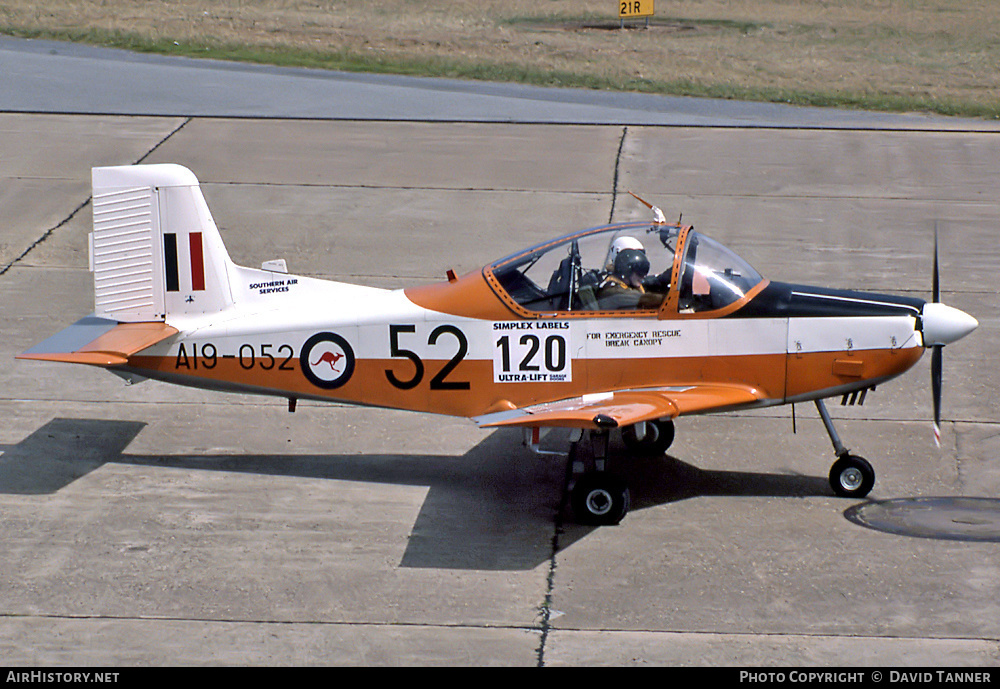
[600,499]
[852,477]
[659,437]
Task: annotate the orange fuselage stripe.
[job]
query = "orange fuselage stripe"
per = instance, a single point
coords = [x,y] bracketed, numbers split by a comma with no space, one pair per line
[776,376]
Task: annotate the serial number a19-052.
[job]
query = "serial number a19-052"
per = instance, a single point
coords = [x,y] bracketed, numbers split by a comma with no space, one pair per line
[635,8]
[191,356]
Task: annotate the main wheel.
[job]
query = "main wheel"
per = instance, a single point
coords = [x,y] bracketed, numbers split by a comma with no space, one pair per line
[600,499]
[852,477]
[659,436]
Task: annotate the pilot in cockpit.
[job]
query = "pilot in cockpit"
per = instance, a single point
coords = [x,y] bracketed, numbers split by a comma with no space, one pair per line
[623,287]
[619,245]
[627,284]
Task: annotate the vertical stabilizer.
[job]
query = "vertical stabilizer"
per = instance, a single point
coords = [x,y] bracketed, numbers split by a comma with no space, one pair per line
[155,249]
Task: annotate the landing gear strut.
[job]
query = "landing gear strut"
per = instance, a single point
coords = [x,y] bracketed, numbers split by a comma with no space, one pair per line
[598,497]
[850,476]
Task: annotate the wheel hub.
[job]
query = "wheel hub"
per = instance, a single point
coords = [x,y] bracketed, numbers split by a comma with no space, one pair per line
[599,502]
[851,478]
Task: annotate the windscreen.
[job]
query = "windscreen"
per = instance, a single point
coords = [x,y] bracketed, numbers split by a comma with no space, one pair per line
[712,276]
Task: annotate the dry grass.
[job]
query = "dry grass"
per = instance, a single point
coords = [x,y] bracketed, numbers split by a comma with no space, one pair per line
[939,55]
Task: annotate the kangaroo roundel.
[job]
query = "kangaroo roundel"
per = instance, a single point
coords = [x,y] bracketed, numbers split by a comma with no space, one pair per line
[327,360]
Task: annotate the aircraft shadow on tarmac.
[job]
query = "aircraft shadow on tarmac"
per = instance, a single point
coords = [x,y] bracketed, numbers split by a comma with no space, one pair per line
[493,508]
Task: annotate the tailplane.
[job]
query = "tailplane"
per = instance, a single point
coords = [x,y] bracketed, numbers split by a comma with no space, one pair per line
[155,253]
[155,250]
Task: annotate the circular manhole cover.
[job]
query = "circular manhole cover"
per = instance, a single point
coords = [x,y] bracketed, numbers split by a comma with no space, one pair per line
[957,518]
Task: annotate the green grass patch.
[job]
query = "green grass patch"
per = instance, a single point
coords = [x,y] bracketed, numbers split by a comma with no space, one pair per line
[383,63]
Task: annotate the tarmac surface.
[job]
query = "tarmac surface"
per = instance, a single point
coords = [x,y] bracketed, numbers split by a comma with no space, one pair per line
[158,525]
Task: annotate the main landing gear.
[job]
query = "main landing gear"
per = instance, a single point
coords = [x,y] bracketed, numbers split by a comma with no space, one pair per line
[598,496]
[850,476]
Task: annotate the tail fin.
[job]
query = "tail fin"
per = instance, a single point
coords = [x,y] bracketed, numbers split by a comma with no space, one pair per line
[155,250]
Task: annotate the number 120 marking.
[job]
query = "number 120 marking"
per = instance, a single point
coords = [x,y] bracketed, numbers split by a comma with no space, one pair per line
[529,358]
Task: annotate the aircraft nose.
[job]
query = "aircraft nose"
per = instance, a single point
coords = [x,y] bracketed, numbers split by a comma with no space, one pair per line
[944,324]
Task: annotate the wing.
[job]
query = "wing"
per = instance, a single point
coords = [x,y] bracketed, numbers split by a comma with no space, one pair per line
[625,407]
[99,342]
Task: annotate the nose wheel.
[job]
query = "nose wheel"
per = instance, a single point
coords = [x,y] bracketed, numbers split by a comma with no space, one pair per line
[850,476]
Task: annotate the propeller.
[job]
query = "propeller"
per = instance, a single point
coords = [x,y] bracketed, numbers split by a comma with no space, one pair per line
[937,351]
[941,325]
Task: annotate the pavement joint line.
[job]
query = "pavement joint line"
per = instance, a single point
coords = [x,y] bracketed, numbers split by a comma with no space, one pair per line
[987,126]
[391,187]
[52,230]
[780,635]
[164,140]
[45,235]
[829,197]
[546,610]
[237,621]
[614,178]
[513,627]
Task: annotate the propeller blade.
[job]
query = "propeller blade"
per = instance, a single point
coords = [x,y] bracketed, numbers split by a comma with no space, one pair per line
[936,356]
[936,289]
[937,352]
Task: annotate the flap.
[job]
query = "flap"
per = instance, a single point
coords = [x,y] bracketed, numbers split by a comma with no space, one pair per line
[626,407]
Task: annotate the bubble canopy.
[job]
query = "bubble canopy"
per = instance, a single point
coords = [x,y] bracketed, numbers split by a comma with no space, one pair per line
[600,270]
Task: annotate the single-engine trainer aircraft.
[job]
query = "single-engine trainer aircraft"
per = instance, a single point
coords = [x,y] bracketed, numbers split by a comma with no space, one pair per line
[619,328]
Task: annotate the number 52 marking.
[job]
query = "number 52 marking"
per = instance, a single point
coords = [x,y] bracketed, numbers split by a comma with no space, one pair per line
[438,382]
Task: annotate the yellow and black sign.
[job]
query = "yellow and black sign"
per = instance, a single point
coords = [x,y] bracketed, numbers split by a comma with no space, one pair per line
[635,8]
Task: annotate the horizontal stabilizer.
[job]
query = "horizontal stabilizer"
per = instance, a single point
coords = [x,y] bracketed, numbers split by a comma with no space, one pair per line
[99,342]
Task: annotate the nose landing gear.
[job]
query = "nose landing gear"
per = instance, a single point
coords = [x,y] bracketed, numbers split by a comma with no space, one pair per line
[850,476]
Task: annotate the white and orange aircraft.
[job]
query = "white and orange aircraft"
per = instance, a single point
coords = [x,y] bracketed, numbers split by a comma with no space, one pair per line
[619,328]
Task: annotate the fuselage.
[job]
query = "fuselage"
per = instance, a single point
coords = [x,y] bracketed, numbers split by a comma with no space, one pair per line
[469,347]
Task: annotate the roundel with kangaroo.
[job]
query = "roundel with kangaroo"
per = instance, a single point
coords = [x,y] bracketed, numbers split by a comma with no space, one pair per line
[327,360]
